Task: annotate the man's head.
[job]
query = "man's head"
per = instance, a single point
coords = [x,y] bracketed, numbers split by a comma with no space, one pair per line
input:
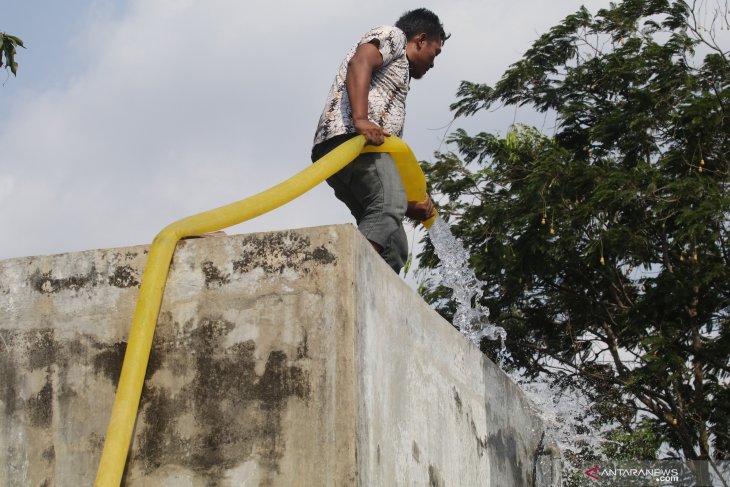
[425,35]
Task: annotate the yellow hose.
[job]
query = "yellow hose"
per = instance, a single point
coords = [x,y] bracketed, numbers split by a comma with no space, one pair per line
[411,174]
[121,425]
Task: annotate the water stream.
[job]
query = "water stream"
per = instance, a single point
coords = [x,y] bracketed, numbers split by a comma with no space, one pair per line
[470,318]
[562,411]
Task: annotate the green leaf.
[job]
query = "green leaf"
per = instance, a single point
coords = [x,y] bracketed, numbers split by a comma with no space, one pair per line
[7,49]
[16,40]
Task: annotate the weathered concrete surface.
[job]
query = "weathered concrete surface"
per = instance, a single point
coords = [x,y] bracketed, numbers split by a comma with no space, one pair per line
[433,410]
[289,358]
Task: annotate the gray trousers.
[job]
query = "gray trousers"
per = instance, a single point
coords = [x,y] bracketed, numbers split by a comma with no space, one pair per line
[371,188]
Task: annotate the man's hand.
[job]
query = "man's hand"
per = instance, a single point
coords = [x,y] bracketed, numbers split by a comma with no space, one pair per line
[420,210]
[374,133]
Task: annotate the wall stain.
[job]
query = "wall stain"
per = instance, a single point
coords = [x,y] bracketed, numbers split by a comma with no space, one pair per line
[75,349]
[223,397]
[9,382]
[457,400]
[160,436]
[214,277]
[416,452]
[45,283]
[505,445]
[303,348]
[49,454]
[237,413]
[40,407]
[434,477]
[128,255]
[481,442]
[275,252]
[323,256]
[41,348]
[124,276]
[109,361]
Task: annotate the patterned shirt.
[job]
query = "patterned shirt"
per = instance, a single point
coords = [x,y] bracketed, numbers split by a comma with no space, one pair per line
[388,89]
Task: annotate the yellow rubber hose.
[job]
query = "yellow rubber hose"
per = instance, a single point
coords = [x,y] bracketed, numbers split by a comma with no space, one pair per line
[124,413]
[411,174]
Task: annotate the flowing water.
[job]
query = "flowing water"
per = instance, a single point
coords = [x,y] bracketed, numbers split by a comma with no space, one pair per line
[470,318]
[563,411]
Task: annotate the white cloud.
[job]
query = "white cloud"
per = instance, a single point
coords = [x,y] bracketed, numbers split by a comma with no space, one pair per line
[7,185]
[182,106]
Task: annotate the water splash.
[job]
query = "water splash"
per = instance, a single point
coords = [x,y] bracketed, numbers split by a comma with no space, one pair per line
[470,318]
[563,410]
[566,412]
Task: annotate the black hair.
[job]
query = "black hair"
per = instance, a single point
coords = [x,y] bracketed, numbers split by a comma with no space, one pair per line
[420,20]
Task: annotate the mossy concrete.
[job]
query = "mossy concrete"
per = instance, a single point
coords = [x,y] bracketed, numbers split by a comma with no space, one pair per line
[283,358]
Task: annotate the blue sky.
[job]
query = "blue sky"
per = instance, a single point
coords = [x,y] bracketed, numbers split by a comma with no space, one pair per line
[128,115]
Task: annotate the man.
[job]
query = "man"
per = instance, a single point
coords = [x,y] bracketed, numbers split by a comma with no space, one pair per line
[368,97]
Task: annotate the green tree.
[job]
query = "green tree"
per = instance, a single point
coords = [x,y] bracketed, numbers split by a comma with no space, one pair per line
[8,50]
[604,246]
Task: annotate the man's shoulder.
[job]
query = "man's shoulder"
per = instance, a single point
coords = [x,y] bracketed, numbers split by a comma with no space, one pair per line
[385,32]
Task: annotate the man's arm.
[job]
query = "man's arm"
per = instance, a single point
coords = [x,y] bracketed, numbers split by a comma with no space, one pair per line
[367,58]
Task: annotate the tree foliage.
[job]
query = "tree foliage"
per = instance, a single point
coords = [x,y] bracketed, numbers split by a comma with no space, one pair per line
[604,246]
[8,50]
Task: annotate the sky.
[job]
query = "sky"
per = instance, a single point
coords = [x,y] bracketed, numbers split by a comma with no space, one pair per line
[127,115]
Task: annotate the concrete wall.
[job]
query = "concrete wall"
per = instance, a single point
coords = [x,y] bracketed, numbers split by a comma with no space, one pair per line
[288,358]
[433,409]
